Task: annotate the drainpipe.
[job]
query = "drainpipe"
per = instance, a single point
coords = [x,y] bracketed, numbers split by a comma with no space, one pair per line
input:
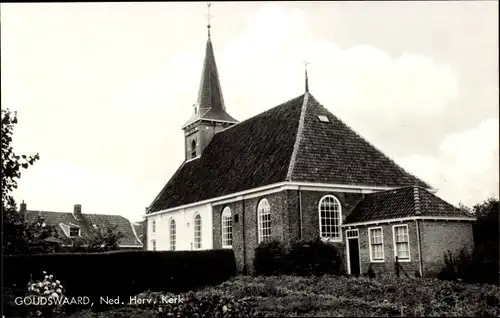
[420,265]
[300,211]
[242,222]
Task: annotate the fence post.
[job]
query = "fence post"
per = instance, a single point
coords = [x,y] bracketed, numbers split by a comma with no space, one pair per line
[396,264]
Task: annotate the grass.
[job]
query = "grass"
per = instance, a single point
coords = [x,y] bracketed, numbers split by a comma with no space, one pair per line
[325,296]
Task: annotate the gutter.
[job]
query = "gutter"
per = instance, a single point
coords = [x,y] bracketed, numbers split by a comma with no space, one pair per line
[300,213]
[420,265]
[244,236]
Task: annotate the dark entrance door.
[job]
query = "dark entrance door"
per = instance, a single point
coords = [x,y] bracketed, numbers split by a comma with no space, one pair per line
[354,256]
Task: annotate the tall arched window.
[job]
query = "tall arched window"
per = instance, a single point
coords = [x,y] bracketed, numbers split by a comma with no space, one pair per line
[227,228]
[264,221]
[193,148]
[330,218]
[172,234]
[197,231]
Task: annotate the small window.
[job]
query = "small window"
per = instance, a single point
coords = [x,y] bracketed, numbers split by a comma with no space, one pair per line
[193,148]
[227,228]
[197,231]
[352,234]
[323,118]
[264,221]
[74,232]
[401,242]
[153,226]
[376,238]
[172,234]
[153,245]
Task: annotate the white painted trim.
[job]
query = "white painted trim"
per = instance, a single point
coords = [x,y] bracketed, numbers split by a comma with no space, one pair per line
[135,233]
[298,136]
[275,187]
[193,159]
[259,237]
[226,210]
[394,243]
[139,246]
[329,239]
[370,244]
[412,218]
[170,234]
[194,231]
[210,120]
[348,253]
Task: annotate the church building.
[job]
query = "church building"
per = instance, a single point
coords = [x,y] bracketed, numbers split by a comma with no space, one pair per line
[297,172]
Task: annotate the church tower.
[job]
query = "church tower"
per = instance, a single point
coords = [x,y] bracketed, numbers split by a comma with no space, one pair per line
[209,113]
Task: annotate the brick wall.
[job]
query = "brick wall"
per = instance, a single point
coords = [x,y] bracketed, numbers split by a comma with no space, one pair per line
[440,236]
[245,237]
[387,267]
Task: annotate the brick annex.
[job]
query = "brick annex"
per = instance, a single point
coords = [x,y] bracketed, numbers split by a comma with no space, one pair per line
[295,172]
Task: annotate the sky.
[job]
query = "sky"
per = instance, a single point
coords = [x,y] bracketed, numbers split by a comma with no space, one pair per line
[102,89]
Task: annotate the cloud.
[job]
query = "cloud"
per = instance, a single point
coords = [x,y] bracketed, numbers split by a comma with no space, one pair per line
[466,169]
[104,103]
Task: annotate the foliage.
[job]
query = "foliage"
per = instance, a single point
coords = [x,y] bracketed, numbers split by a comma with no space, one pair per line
[313,257]
[102,239]
[48,288]
[19,235]
[117,273]
[323,296]
[269,258]
[482,265]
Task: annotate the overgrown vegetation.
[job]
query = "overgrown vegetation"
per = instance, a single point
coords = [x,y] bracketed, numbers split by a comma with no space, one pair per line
[301,258]
[322,296]
[482,264]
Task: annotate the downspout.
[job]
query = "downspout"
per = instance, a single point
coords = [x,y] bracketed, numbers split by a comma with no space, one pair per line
[300,212]
[420,265]
[243,236]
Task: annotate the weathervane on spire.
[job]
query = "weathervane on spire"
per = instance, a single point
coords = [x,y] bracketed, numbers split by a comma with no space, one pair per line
[307,78]
[208,17]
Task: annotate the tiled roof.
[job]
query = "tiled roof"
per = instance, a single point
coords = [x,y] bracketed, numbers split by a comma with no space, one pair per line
[400,203]
[86,224]
[253,153]
[285,143]
[332,152]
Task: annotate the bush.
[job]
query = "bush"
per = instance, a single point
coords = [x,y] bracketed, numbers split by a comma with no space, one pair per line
[302,258]
[124,273]
[315,257]
[469,267]
[269,258]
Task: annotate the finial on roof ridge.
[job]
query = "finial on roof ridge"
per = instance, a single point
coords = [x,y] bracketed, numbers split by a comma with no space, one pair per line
[306,77]
[208,18]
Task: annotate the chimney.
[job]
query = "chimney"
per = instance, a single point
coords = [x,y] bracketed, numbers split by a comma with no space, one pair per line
[22,208]
[77,212]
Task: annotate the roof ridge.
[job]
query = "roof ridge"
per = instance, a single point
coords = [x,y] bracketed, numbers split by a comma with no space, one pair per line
[259,114]
[298,137]
[135,233]
[369,143]
[416,200]
[165,186]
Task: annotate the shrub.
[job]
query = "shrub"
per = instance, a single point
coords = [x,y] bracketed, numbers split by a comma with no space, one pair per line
[469,267]
[124,273]
[315,257]
[302,258]
[269,258]
[48,288]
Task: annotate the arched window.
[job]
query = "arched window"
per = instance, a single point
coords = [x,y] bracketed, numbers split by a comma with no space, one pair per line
[264,221]
[227,228]
[330,218]
[172,234]
[193,148]
[197,231]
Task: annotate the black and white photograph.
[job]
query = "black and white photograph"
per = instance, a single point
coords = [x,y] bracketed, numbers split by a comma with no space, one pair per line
[250,159]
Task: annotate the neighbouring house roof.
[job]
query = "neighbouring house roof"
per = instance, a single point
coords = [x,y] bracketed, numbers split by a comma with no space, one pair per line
[87,224]
[139,229]
[400,203]
[286,143]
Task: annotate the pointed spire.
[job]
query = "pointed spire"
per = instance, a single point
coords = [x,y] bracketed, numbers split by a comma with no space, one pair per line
[306,77]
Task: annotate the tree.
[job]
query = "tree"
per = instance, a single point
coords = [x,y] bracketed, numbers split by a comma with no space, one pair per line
[19,236]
